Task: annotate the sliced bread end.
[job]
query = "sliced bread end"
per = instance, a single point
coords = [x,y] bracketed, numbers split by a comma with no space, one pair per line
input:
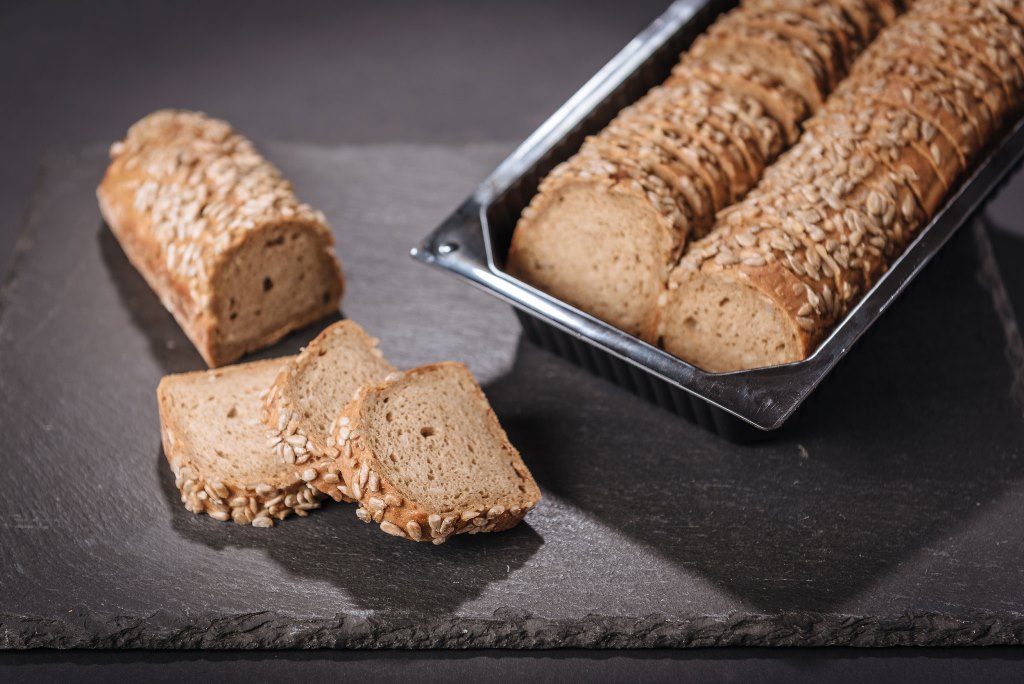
[426,458]
[213,439]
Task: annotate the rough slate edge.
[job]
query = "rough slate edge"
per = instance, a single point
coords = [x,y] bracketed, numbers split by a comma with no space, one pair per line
[512,629]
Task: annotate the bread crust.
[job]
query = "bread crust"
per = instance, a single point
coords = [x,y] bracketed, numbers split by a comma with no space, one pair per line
[781,103]
[180,254]
[314,459]
[791,61]
[243,502]
[382,502]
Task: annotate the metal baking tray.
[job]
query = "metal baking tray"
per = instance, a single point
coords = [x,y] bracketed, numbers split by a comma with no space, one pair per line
[473,244]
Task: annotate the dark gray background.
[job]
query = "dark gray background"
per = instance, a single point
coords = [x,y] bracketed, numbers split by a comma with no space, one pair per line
[325,73]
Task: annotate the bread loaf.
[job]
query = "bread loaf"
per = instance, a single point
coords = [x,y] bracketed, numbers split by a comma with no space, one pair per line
[782,267]
[308,394]
[213,439]
[218,234]
[427,459]
[605,227]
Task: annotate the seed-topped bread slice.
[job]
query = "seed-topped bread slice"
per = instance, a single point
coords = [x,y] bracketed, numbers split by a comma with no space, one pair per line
[426,457]
[213,439]
[308,394]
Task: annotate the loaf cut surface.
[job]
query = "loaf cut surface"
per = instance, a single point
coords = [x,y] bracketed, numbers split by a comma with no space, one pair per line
[213,438]
[426,457]
[308,394]
[218,234]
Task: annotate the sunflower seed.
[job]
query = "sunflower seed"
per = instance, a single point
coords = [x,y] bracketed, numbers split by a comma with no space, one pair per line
[446,526]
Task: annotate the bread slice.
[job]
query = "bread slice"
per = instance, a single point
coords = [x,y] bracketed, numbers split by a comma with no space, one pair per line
[308,394]
[791,62]
[733,75]
[427,459]
[213,438]
[830,16]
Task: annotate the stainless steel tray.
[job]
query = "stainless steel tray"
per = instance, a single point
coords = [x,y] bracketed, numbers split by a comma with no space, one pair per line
[473,243]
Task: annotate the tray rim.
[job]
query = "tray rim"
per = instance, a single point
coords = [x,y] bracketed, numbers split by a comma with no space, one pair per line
[764,398]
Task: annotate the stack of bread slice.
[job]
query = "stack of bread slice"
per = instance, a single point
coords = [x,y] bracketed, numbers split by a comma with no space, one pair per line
[607,225]
[783,266]
[687,223]
[421,452]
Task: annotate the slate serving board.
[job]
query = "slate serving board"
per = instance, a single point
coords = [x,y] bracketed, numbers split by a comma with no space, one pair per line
[890,514]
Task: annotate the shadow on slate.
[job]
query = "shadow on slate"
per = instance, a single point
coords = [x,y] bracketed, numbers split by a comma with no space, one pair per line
[900,446]
[416,580]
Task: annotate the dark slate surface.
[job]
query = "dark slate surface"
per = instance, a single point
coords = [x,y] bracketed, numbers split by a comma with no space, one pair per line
[890,515]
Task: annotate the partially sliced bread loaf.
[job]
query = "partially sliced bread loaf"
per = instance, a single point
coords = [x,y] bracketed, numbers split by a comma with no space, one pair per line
[426,457]
[218,233]
[213,439]
[309,393]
